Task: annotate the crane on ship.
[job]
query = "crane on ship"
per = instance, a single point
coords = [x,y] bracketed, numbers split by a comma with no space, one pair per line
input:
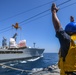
[14,36]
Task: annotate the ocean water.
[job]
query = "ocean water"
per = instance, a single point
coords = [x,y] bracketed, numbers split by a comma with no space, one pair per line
[48,59]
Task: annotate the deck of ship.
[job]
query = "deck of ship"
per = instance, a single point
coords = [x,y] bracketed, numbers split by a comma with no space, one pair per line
[54,71]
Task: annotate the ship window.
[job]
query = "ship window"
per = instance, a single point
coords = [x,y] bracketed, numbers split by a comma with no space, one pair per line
[10,52]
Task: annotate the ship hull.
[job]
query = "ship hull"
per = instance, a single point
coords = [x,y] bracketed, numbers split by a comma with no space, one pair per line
[21,54]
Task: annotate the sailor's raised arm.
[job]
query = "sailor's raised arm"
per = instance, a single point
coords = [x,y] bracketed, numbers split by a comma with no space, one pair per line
[55,19]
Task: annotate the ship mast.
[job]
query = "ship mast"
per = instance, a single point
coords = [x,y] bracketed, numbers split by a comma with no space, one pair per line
[34,44]
[4,42]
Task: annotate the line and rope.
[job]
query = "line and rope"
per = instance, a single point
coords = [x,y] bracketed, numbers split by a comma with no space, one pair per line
[17,69]
[30,71]
[43,12]
[40,13]
[25,12]
[28,10]
[5,30]
[36,19]
[68,5]
[63,3]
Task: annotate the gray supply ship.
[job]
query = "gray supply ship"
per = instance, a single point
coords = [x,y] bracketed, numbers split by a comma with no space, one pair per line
[18,51]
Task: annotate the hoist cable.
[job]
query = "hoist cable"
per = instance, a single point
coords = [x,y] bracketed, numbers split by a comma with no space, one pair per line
[28,10]
[40,13]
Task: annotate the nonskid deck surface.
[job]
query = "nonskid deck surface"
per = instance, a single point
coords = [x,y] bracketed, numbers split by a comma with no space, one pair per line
[53,71]
[50,70]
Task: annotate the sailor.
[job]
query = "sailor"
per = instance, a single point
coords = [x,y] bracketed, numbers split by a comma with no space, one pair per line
[67,39]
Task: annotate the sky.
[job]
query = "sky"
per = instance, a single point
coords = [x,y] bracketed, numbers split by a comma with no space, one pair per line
[34,28]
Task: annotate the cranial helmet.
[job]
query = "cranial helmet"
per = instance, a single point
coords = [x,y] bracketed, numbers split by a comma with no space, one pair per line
[71,27]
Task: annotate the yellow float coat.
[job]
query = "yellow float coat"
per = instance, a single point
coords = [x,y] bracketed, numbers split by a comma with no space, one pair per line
[69,64]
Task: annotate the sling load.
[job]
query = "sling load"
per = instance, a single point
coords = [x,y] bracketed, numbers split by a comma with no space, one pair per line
[16,26]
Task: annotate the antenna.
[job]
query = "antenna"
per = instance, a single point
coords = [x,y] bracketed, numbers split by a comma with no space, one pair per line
[34,44]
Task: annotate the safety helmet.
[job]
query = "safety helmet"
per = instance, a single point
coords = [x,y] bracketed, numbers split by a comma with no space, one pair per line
[71,27]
